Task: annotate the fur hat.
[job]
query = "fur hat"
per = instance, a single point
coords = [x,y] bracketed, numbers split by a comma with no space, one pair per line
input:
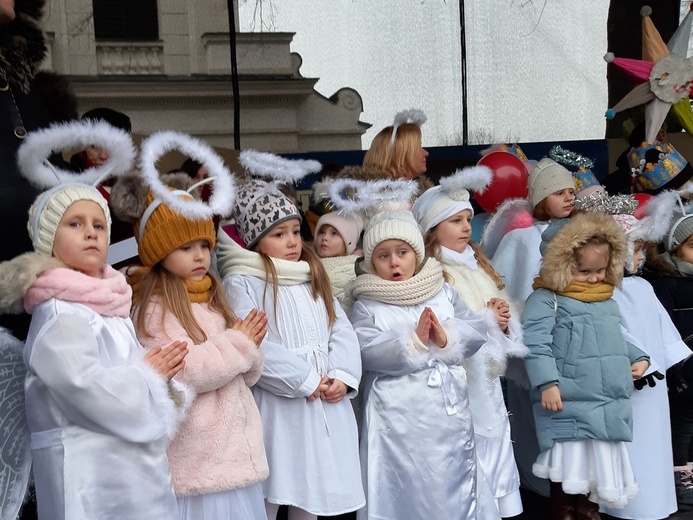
[348,225]
[546,178]
[393,225]
[450,197]
[558,262]
[48,209]
[259,208]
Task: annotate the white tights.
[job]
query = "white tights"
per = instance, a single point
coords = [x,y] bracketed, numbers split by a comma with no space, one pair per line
[294,512]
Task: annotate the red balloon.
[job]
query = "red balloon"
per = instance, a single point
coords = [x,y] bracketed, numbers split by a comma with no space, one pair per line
[643,199]
[509,180]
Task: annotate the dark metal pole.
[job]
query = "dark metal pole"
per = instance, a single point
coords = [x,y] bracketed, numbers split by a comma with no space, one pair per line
[234,78]
[463,41]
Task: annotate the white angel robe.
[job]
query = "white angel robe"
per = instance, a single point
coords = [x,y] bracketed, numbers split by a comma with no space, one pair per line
[650,452]
[491,424]
[312,447]
[518,259]
[100,418]
[417,443]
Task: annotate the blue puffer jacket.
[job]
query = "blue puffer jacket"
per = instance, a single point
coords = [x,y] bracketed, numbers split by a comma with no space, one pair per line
[580,347]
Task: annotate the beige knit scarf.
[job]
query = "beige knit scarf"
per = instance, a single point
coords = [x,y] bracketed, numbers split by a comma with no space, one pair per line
[421,287]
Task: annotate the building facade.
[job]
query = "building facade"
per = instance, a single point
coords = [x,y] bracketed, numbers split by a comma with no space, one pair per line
[167,65]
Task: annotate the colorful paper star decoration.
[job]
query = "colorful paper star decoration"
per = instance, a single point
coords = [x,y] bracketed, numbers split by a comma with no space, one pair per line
[665,76]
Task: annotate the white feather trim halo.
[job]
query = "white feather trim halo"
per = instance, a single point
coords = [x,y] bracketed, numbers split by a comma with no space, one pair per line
[412,116]
[33,154]
[274,167]
[346,194]
[474,178]
[224,193]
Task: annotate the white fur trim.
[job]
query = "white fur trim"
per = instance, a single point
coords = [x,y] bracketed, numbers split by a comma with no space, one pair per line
[657,223]
[415,352]
[172,406]
[274,167]
[475,178]
[39,145]
[224,193]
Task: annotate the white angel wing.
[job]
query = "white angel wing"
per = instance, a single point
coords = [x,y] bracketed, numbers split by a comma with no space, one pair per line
[507,215]
[15,455]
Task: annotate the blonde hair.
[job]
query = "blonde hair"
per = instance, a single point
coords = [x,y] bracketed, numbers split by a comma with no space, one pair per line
[157,281]
[398,160]
[432,248]
[319,281]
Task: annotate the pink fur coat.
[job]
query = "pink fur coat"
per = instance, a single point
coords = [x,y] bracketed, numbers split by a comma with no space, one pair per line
[219,446]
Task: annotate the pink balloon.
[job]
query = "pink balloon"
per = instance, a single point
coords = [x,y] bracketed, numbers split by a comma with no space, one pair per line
[509,180]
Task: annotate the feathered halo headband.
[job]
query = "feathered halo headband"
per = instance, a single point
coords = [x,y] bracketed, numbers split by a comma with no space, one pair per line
[461,181]
[33,154]
[39,145]
[372,197]
[224,193]
[411,116]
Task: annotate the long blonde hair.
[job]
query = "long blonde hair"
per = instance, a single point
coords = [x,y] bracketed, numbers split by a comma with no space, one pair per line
[319,281]
[397,160]
[157,281]
[432,248]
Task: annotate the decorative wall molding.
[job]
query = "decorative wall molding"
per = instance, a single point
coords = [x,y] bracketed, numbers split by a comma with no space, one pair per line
[129,58]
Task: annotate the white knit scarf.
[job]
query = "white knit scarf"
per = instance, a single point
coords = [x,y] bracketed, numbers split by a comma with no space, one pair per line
[466,257]
[421,287]
[233,259]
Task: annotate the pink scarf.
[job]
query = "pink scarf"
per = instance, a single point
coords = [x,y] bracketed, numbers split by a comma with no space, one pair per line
[109,295]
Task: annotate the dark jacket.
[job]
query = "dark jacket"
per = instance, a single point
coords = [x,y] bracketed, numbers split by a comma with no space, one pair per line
[21,51]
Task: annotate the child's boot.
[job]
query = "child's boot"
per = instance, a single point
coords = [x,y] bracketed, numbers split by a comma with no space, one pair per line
[586,509]
[561,504]
[683,479]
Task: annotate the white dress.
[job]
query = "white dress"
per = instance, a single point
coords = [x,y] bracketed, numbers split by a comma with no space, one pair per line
[312,447]
[650,452]
[417,444]
[518,260]
[491,424]
[100,418]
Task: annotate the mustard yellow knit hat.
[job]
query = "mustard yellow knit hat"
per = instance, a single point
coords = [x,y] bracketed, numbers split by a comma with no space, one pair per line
[161,231]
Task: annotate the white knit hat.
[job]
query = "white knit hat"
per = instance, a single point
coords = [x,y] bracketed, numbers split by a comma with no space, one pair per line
[349,227]
[436,205]
[49,207]
[452,196]
[546,178]
[393,225]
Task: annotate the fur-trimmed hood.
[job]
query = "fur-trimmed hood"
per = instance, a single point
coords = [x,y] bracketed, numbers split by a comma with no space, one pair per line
[18,275]
[558,261]
[22,44]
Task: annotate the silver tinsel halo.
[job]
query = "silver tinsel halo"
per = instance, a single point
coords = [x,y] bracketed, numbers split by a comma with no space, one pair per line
[568,158]
[611,204]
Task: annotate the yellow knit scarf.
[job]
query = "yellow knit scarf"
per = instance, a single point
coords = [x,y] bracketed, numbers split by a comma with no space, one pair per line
[582,291]
[199,292]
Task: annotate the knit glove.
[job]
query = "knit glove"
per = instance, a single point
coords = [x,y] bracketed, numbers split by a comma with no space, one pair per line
[650,380]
